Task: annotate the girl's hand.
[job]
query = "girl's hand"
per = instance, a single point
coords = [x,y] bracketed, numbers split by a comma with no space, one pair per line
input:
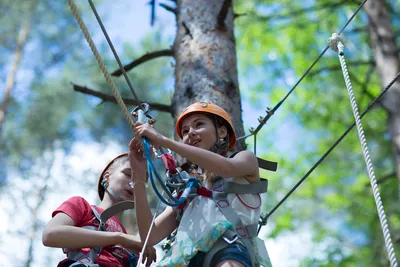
[137,161]
[146,130]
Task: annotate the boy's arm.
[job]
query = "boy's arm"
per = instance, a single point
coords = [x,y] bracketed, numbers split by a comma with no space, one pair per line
[60,232]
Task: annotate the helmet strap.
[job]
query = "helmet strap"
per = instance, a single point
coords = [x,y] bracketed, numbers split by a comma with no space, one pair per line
[110,191]
[220,141]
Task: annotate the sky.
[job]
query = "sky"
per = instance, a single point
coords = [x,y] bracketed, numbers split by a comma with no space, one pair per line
[127,21]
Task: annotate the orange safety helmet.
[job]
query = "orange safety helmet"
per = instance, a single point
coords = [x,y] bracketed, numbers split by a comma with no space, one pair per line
[210,108]
[100,187]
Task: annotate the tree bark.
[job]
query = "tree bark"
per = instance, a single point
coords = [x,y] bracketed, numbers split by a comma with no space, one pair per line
[387,63]
[11,76]
[205,58]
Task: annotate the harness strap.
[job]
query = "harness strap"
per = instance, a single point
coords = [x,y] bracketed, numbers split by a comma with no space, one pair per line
[169,163]
[242,232]
[84,258]
[89,258]
[115,209]
[98,217]
[254,188]
[267,165]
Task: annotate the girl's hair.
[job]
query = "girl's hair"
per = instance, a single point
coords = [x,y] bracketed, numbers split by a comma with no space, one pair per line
[220,147]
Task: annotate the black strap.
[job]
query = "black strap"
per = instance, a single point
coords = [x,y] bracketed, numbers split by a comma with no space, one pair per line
[254,188]
[267,165]
[117,208]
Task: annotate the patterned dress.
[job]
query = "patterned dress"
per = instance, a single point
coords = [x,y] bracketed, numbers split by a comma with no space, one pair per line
[202,224]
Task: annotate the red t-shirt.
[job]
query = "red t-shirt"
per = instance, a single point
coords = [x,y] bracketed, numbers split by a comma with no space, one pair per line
[81,213]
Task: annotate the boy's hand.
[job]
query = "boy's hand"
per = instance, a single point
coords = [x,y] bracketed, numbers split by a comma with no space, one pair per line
[149,255]
[133,242]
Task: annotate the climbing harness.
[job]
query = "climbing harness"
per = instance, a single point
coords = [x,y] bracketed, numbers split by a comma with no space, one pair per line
[336,44]
[88,258]
[178,183]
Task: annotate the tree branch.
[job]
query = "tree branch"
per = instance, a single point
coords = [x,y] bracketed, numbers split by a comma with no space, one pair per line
[222,14]
[11,76]
[110,98]
[364,86]
[169,8]
[187,29]
[143,59]
[153,12]
[384,178]
[237,15]
[298,12]
[338,67]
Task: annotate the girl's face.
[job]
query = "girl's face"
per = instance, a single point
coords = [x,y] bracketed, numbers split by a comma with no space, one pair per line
[199,130]
[119,179]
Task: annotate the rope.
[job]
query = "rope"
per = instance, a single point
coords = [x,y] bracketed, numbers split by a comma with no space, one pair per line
[336,41]
[102,66]
[113,50]
[271,112]
[264,219]
[148,233]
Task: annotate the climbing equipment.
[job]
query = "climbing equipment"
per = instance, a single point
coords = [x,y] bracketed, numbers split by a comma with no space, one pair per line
[336,43]
[89,258]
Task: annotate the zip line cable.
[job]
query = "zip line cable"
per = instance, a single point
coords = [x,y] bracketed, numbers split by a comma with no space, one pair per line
[265,218]
[270,112]
[102,66]
[113,50]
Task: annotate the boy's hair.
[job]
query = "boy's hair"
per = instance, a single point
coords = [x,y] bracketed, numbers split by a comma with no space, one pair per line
[111,166]
[116,163]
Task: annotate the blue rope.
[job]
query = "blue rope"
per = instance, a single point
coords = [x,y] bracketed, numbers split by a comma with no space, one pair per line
[192,182]
[132,260]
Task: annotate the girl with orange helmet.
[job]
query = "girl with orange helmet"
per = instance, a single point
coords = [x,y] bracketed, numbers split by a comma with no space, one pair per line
[207,135]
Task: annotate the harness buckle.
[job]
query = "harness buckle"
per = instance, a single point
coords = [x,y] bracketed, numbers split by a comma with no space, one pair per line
[230,241]
[223,203]
[159,152]
[242,232]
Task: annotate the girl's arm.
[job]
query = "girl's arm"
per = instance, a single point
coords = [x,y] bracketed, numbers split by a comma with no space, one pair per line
[60,232]
[244,164]
[165,223]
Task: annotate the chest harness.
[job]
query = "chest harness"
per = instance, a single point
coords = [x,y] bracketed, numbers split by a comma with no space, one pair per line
[89,258]
[181,188]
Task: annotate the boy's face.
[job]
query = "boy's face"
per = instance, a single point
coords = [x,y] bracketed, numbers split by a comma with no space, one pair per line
[119,179]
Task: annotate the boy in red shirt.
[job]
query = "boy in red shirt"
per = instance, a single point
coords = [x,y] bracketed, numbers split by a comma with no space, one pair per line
[73,222]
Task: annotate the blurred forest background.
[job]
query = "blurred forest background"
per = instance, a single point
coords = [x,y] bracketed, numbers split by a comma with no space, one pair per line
[54,141]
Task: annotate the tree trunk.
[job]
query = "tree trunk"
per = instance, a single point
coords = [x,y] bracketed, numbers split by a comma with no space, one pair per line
[10,80]
[205,54]
[388,65]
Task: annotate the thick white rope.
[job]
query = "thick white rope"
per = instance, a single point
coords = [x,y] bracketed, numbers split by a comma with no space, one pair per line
[336,44]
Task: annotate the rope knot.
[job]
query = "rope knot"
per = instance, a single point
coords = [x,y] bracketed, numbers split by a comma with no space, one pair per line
[335,42]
